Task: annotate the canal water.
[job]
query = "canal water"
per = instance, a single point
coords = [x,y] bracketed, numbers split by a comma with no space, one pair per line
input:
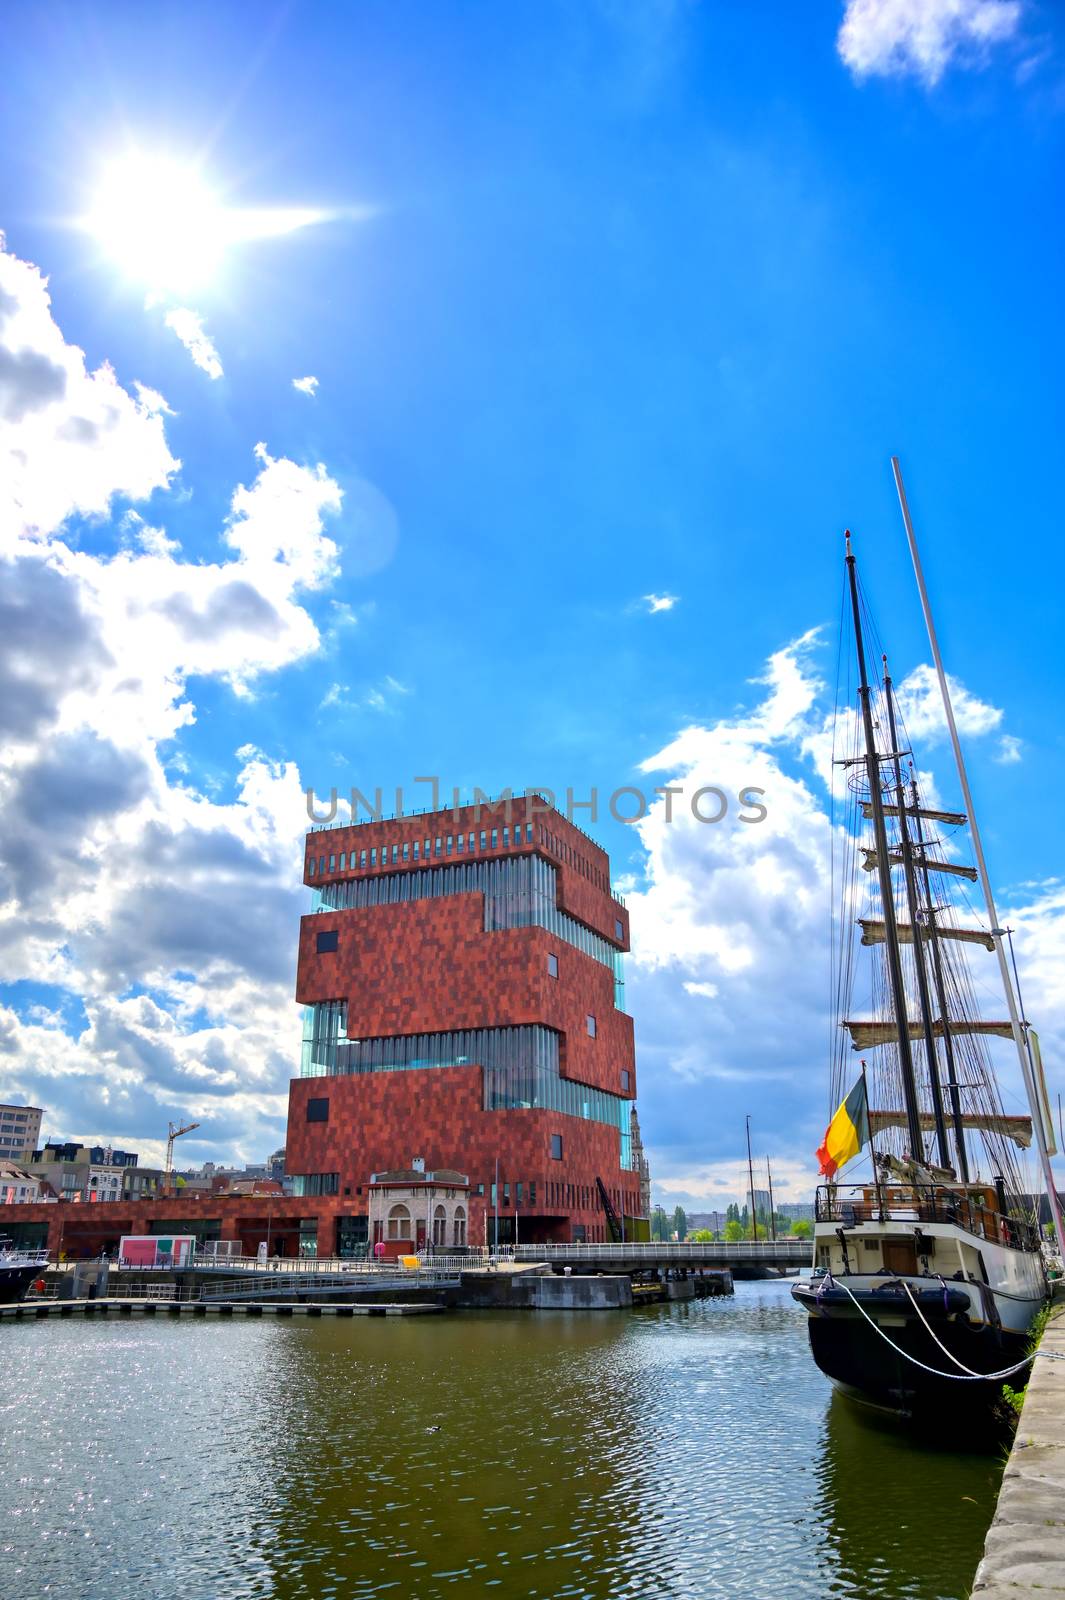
[682,1450]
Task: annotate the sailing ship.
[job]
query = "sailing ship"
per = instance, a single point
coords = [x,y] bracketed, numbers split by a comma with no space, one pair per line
[928,1275]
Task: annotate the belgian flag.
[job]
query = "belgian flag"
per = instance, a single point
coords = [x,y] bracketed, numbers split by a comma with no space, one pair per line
[847,1132]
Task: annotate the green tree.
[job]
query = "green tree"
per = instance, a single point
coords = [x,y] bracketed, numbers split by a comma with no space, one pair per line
[680,1223]
[702,1236]
[801,1229]
[659,1224]
[733,1230]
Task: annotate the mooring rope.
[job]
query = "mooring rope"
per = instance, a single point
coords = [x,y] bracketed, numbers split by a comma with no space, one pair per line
[965,1376]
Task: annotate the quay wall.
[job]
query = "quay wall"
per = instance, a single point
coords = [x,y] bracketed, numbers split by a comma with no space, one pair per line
[1025,1548]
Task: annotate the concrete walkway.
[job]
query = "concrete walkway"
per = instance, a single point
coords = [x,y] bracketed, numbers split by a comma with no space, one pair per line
[1024,1553]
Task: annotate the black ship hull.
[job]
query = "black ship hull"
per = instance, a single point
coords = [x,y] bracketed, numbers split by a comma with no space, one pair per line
[14,1281]
[864,1366]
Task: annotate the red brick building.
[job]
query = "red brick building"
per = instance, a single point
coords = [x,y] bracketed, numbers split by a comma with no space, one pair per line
[462,983]
[461,974]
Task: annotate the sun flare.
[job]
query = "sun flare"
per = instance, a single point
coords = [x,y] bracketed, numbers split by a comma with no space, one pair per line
[159,221]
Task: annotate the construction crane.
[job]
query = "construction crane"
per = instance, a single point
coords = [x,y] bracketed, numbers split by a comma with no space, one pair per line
[175,1133]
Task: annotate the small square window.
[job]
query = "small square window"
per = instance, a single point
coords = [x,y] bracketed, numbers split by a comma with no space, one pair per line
[591,1026]
[625,1079]
[619,930]
[480,1188]
[327,941]
[556,1147]
[552,964]
[318,1110]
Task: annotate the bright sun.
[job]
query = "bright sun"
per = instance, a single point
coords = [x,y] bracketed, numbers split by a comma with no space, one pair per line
[159,222]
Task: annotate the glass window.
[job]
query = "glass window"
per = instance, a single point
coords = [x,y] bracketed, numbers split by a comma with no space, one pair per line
[362,858]
[528,833]
[327,941]
[495,838]
[471,841]
[321,866]
[625,1079]
[406,850]
[399,1223]
[591,1026]
[556,1147]
[480,1189]
[552,965]
[517,1192]
[373,856]
[484,840]
[332,863]
[417,848]
[343,859]
[506,1194]
[439,846]
[395,853]
[532,1191]
[506,838]
[450,842]
[619,929]
[310,866]
[318,1110]
[462,843]
[492,1196]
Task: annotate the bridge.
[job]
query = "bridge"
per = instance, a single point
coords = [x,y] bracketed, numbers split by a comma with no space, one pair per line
[781,1254]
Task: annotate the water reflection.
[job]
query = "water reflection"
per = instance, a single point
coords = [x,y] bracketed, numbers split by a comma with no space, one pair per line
[677,1451]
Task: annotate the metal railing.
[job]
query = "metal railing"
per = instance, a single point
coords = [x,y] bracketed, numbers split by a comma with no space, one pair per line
[855,1203]
[718,1250]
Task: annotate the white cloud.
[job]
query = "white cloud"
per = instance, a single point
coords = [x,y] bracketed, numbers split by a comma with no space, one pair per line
[188,325]
[659,602]
[162,918]
[306,385]
[1009,750]
[921,707]
[892,38]
[70,441]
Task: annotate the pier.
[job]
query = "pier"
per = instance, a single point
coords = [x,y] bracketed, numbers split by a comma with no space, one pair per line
[1025,1548]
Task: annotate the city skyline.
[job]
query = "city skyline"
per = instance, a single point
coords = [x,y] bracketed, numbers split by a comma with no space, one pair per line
[505,427]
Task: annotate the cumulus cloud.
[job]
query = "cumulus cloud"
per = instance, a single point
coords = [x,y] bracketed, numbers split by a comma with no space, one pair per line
[659,602]
[307,386]
[188,325]
[921,707]
[893,38]
[162,920]
[71,441]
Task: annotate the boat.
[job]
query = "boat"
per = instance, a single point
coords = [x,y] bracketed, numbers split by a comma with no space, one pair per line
[18,1269]
[929,1274]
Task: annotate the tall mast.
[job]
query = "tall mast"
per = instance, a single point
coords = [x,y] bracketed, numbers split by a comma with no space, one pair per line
[953,1086]
[1034,1098]
[910,875]
[887,892]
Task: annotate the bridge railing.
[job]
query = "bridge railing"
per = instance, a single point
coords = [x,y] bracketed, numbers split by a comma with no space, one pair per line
[742,1250]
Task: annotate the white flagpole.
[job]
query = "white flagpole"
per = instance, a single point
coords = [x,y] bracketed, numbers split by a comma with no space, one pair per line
[1034,1101]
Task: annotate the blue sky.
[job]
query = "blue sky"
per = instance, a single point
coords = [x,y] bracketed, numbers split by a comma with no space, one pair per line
[606,301]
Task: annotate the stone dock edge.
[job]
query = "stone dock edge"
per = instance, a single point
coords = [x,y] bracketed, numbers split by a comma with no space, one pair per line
[1024,1553]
